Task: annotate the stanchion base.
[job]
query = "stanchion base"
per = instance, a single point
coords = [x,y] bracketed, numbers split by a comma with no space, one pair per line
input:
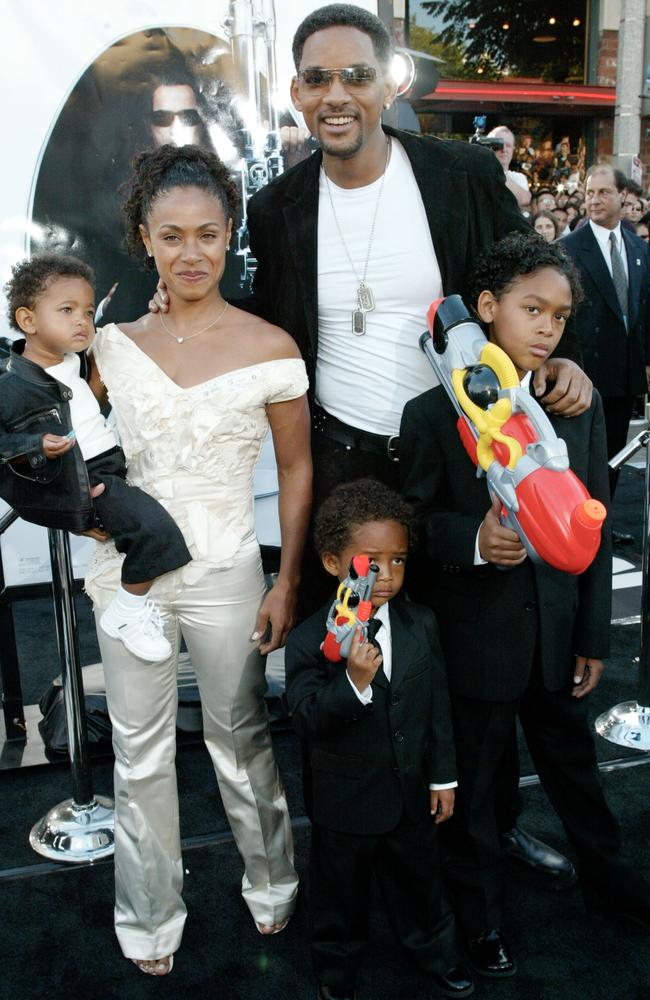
[627,724]
[74,833]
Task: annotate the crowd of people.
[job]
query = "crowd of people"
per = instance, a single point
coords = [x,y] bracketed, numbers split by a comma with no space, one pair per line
[410,766]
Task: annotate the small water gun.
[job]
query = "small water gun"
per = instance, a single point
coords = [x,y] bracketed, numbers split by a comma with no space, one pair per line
[350,609]
[512,442]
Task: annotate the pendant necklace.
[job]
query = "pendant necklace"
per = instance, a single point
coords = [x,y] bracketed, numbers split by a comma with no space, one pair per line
[181,340]
[365,297]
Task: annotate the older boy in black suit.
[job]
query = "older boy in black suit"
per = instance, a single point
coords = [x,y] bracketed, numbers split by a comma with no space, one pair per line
[381,755]
[529,640]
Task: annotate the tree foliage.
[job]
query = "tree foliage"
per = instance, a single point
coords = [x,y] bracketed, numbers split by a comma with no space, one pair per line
[497,36]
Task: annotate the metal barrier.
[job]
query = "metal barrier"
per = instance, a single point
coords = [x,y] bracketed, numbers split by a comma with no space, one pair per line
[12,695]
[81,828]
[628,724]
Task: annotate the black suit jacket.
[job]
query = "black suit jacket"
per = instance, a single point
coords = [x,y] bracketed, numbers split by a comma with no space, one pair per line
[491,621]
[467,205]
[613,358]
[370,764]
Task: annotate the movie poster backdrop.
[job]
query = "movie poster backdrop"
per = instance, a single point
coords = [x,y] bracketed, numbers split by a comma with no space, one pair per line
[86,87]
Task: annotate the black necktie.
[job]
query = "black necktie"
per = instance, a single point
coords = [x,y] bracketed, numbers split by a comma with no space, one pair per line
[373,627]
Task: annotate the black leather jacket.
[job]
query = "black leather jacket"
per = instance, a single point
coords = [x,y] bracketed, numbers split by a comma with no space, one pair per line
[54,492]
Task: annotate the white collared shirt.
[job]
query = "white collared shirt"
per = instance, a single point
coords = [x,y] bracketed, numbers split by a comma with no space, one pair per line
[602,237]
[384,638]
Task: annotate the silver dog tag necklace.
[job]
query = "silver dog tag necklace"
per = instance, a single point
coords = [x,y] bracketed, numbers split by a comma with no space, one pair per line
[365,297]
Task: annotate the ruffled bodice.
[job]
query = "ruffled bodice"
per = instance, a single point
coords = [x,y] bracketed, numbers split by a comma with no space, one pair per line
[194,449]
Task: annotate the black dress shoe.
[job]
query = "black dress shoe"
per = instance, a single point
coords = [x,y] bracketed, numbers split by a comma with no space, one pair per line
[622,538]
[325,993]
[456,982]
[558,871]
[489,954]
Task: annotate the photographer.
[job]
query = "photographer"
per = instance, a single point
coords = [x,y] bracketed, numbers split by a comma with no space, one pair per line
[515,181]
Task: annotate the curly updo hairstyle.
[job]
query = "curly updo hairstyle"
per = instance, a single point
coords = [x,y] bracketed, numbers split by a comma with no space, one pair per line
[518,255]
[158,171]
[351,505]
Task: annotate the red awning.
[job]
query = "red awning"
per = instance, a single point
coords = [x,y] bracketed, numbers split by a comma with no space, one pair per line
[470,91]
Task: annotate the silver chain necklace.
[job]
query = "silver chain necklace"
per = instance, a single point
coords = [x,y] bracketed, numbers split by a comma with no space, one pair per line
[365,296]
[181,340]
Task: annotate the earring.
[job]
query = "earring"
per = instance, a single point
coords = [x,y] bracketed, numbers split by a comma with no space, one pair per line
[386,105]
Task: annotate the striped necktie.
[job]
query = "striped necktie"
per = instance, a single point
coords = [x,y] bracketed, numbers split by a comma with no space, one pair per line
[618,275]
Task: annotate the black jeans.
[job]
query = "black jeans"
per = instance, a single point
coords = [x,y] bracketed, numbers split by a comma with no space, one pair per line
[138,524]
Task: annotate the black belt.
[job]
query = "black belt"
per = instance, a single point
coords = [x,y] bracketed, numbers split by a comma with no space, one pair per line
[352,437]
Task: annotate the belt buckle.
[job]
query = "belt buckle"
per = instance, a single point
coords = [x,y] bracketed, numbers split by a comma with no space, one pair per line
[392,448]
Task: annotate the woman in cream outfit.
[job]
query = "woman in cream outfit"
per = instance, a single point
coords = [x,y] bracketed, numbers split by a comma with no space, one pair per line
[194,393]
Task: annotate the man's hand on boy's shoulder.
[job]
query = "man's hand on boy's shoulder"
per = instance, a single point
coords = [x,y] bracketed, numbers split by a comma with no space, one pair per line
[570,391]
[364,661]
[497,544]
[586,675]
[442,803]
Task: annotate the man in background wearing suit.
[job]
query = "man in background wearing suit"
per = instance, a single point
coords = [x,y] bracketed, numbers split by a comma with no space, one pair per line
[612,323]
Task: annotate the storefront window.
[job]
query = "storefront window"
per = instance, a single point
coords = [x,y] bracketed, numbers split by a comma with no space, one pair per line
[542,40]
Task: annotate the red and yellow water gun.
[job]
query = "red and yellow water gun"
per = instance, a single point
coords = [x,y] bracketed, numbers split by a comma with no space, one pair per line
[350,609]
[512,442]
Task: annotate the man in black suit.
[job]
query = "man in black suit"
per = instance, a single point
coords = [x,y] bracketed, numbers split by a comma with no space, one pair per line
[613,321]
[429,206]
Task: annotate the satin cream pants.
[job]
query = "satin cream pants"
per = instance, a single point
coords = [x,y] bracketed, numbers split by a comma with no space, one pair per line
[216,617]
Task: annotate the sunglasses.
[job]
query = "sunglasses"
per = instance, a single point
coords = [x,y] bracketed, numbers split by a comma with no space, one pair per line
[163,119]
[350,76]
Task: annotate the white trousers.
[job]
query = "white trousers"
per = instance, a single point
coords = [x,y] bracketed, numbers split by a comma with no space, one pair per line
[216,617]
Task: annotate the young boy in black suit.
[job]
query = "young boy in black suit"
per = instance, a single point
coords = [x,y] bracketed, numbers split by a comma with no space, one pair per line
[377,735]
[529,640]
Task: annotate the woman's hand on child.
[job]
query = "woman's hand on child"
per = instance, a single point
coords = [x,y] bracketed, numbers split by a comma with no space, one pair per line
[442,803]
[278,610]
[497,544]
[160,300]
[55,445]
[97,533]
[586,675]
[364,660]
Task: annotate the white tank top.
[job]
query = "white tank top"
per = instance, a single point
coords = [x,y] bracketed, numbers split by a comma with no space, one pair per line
[366,381]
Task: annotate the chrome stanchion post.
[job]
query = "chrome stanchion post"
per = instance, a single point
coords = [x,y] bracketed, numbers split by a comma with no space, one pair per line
[81,828]
[628,724]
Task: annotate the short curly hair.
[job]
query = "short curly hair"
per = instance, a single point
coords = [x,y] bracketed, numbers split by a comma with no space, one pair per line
[158,171]
[346,15]
[351,505]
[517,255]
[33,276]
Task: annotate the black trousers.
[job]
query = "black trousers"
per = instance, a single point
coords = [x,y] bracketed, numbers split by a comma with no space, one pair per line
[559,737]
[138,524]
[407,866]
[618,413]
[334,464]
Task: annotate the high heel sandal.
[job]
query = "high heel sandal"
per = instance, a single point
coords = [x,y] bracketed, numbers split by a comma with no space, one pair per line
[155,966]
[267,929]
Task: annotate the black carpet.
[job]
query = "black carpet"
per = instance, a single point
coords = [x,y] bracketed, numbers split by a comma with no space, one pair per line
[56,936]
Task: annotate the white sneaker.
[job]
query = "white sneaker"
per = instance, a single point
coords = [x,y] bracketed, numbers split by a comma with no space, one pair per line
[141,633]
